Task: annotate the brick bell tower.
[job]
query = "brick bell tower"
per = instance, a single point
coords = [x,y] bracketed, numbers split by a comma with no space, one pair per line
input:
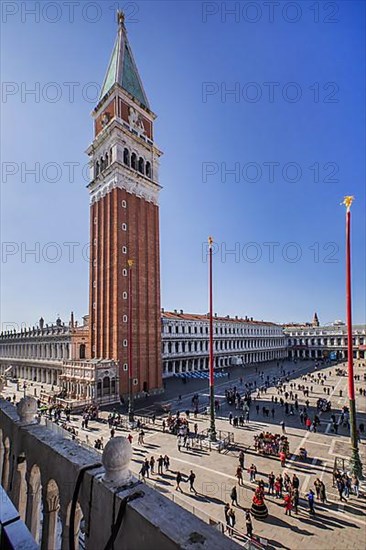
[124,225]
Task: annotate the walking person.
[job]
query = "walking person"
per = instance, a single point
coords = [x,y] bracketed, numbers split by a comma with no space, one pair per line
[178,481]
[234,497]
[249,524]
[252,472]
[283,428]
[191,478]
[142,472]
[166,462]
[282,457]
[140,440]
[147,467]
[322,493]
[317,484]
[278,487]
[239,475]
[160,465]
[227,517]
[356,485]
[288,504]
[347,485]
[271,482]
[295,499]
[340,487]
[241,459]
[152,464]
[310,497]
[232,521]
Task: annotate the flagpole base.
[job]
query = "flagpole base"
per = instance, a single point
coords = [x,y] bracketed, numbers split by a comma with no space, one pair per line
[356,464]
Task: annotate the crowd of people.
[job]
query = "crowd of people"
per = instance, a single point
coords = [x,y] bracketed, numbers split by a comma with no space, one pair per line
[148,466]
[267,443]
[346,485]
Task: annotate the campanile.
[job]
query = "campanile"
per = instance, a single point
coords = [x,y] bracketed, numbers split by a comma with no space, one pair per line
[124,225]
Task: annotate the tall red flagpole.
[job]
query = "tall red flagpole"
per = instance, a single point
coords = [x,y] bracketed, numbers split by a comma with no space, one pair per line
[211,349]
[355,462]
[130,354]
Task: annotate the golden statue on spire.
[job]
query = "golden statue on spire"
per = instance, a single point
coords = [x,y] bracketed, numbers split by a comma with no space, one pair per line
[120,18]
[347,201]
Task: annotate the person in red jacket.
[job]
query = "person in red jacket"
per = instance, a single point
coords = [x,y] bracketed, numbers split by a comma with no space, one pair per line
[282,456]
[288,504]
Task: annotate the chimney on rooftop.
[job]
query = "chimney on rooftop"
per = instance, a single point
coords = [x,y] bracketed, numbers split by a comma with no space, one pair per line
[162,310]
[181,311]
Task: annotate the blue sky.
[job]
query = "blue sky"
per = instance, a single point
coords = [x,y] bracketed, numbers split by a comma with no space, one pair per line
[292,135]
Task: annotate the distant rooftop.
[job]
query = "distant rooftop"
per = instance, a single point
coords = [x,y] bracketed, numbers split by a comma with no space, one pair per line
[180,315]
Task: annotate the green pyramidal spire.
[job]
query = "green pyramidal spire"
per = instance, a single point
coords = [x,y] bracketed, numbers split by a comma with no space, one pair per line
[122,67]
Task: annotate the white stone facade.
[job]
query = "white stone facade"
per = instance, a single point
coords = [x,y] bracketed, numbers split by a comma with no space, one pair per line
[307,342]
[185,341]
[57,355]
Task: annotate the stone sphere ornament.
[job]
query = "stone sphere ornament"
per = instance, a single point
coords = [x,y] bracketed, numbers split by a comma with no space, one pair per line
[27,410]
[116,460]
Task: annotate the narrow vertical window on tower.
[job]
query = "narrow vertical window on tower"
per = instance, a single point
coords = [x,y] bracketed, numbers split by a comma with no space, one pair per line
[141,165]
[148,169]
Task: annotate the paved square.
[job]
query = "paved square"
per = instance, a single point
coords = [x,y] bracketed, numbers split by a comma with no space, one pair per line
[335,525]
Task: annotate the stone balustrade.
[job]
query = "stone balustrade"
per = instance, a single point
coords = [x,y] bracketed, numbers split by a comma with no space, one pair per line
[61,489]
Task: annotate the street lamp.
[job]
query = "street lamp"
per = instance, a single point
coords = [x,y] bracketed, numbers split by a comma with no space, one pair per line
[212,431]
[355,462]
[130,372]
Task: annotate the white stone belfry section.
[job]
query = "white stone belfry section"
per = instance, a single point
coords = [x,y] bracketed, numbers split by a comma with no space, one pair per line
[116,459]
[27,410]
